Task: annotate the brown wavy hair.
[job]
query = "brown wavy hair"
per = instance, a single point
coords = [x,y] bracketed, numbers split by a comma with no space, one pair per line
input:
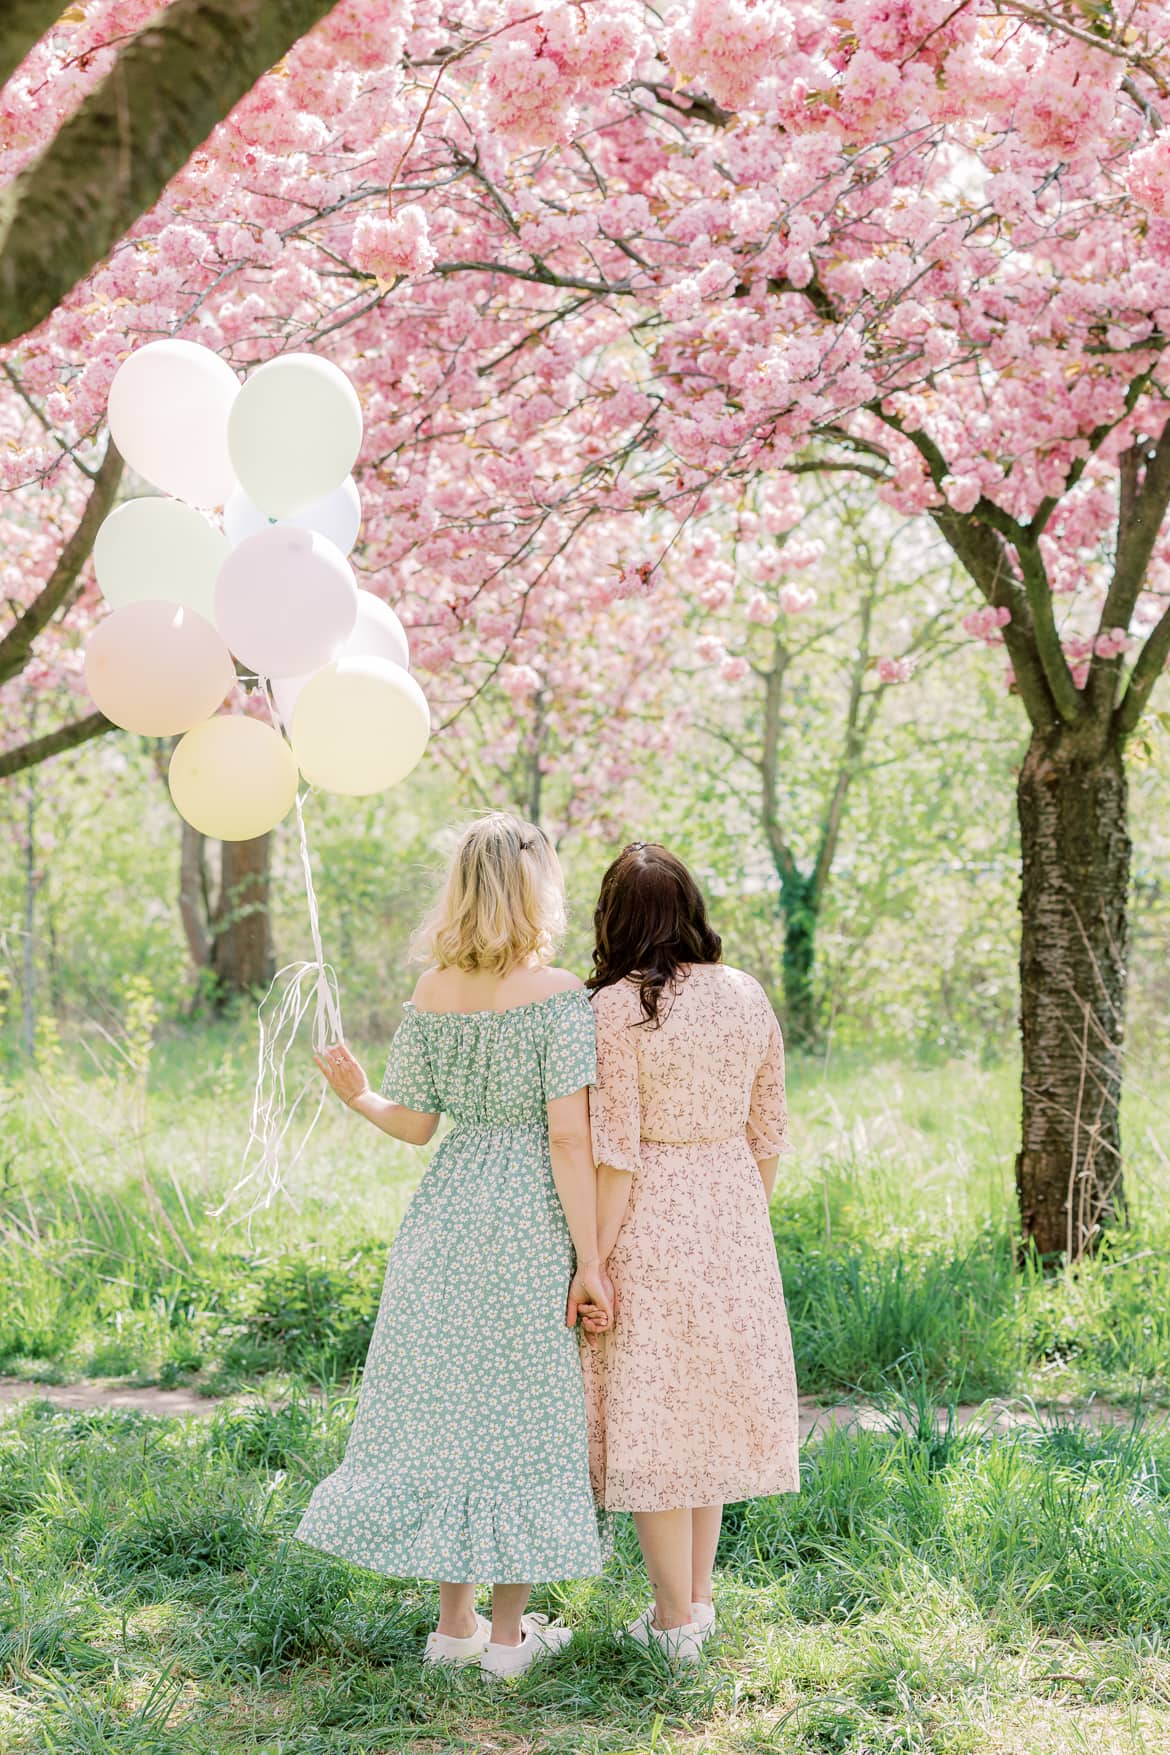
[649,922]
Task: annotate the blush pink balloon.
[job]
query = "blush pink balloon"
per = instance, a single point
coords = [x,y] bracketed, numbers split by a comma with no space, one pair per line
[285,600]
[157,668]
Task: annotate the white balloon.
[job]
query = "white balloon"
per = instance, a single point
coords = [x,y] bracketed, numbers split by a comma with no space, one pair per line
[169,408]
[359,726]
[338,516]
[377,633]
[295,433]
[285,600]
[161,549]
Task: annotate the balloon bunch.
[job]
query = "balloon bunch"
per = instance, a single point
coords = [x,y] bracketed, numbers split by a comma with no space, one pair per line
[273,589]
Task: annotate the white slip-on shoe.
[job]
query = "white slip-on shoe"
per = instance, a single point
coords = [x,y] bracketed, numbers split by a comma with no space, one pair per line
[702,1616]
[680,1645]
[537,1640]
[444,1648]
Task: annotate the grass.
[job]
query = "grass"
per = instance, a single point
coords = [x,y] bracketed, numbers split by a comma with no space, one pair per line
[893,1220]
[930,1592]
[927,1591]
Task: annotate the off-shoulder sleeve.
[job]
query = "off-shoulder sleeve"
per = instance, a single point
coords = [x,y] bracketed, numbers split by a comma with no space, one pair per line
[615,1108]
[767,1124]
[569,1056]
[408,1079]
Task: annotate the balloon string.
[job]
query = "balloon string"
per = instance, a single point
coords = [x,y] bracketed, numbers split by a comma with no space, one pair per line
[294,991]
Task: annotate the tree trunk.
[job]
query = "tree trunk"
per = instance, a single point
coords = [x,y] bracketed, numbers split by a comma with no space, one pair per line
[801,1024]
[115,154]
[242,959]
[1073,901]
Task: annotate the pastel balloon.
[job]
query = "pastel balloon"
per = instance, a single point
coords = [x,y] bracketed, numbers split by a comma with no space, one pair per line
[285,600]
[169,407]
[157,668]
[294,433]
[359,726]
[338,516]
[377,633]
[233,777]
[161,549]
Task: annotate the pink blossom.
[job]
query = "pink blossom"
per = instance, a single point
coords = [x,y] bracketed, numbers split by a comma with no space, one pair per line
[734,669]
[985,623]
[1149,175]
[519,681]
[710,649]
[795,599]
[1112,643]
[387,246]
[761,609]
[895,670]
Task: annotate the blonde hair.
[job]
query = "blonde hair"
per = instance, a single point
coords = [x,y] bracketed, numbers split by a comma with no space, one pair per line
[502,902]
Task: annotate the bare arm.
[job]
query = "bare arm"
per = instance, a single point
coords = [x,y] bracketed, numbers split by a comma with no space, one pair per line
[613,1195]
[767,1169]
[347,1077]
[573,1173]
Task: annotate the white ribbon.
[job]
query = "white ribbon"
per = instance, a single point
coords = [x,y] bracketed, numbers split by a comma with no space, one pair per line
[293,992]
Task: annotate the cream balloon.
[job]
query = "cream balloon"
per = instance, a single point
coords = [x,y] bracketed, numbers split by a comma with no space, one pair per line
[338,516]
[232,777]
[285,600]
[295,433]
[169,406]
[157,668]
[359,726]
[377,633]
[161,549]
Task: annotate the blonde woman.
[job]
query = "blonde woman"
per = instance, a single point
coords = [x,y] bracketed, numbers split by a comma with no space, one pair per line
[468,1458]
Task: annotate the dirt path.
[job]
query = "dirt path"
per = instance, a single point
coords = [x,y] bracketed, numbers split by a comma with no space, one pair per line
[815,1417]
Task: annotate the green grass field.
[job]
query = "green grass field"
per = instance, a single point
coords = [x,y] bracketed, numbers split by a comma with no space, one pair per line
[930,1590]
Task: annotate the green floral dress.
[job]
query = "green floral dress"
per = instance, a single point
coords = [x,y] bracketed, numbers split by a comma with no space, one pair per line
[468,1457]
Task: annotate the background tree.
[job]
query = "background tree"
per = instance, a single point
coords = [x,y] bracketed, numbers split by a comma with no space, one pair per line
[801,687]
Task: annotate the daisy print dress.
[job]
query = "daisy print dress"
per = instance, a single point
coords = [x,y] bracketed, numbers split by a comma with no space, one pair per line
[468,1457]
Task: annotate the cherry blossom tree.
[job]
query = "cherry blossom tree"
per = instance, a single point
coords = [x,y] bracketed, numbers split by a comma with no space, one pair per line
[596,268]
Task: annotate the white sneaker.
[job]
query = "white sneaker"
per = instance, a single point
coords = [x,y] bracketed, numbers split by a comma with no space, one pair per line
[679,1645]
[444,1648]
[702,1615]
[538,1640]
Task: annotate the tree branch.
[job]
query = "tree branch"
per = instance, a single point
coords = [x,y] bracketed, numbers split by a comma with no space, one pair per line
[1150,664]
[54,743]
[1142,507]
[62,585]
[113,158]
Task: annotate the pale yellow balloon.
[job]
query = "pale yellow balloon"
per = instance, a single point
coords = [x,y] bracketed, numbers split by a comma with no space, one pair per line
[233,777]
[359,725]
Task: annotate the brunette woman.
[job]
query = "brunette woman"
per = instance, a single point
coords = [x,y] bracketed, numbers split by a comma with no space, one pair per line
[692,1393]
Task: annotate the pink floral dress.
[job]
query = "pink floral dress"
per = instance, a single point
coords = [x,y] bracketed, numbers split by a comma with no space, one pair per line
[692,1397]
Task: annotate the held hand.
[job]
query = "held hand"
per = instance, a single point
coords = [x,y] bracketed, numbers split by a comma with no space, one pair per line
[344,1073]
[591,1298]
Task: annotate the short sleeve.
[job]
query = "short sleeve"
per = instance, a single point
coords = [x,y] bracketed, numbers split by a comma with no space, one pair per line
[767,1124]
[615,1106]
[569,1060]
[408,1079]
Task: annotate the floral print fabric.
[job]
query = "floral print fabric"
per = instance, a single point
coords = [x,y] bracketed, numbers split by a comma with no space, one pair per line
[468,1456]
[692,1397]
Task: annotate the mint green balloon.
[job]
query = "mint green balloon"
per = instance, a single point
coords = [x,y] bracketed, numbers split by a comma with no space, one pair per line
[159,549]
[294,433]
